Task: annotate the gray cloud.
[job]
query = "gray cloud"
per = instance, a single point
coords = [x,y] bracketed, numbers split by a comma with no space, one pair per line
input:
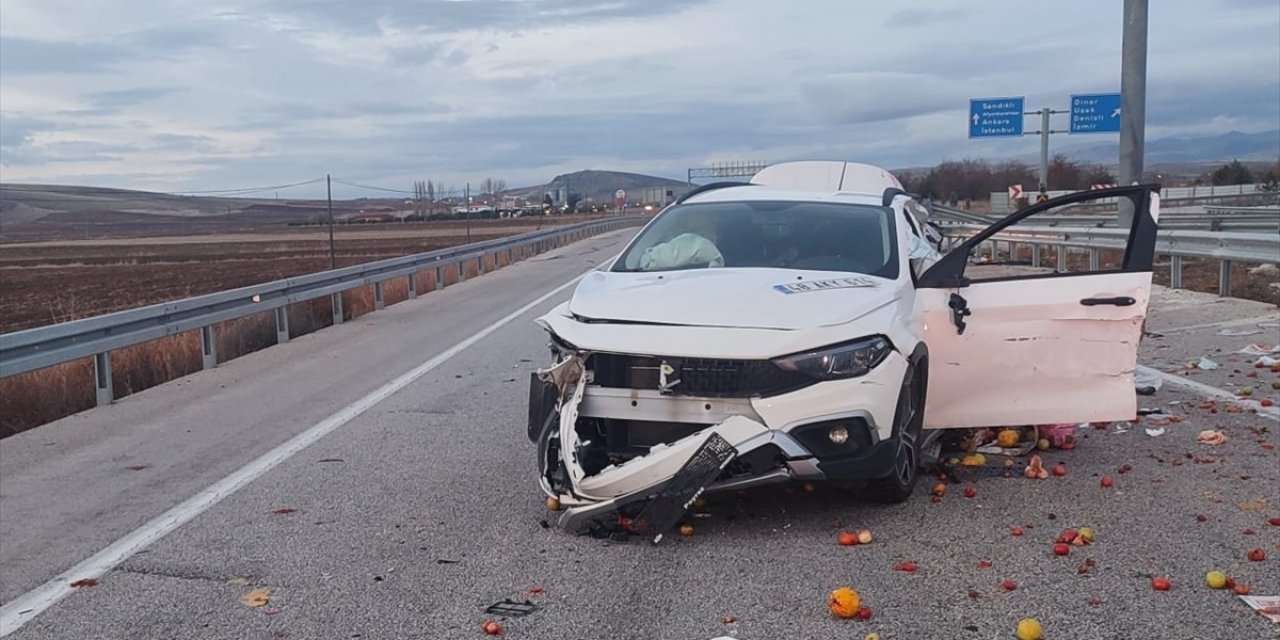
[441,16]
[16,131]
[25,56]
[110,100]
[907,18]
[33,56]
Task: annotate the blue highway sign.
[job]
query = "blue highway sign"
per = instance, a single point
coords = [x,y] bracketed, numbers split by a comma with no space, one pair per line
[995,117]
[1095,113]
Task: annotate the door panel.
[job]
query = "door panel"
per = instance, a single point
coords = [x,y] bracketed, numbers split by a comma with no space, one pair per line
[1025,324]
[1031,353]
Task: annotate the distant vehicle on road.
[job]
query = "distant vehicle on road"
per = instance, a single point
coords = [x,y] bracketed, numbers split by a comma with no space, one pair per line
[807,325]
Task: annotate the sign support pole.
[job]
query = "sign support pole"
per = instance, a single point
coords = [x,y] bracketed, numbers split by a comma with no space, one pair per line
[1133,100]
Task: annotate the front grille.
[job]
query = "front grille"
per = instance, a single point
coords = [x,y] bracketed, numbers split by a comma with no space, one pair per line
[706,377]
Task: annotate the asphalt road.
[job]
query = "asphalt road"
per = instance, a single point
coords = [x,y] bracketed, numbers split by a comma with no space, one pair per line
[407,521]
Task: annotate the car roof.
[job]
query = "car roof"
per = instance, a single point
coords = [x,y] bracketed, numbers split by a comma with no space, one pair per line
[759,193]
[808,180]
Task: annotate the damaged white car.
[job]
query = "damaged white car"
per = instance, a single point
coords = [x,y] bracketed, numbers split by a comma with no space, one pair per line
[808,326]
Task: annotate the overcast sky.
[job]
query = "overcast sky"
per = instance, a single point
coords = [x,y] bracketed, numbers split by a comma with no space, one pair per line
[171,95]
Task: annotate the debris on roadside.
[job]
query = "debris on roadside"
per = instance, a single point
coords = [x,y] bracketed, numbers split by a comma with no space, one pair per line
[509,608]
[1204,364]
[1267,606]
[1146,384]
[256,598]
[1211,437]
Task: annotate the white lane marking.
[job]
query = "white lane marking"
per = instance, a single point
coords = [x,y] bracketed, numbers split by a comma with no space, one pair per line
[1213,392]
[1257,320]
[27,606]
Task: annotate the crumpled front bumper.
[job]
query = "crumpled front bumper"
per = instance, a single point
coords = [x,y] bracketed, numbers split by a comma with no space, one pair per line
[560,394]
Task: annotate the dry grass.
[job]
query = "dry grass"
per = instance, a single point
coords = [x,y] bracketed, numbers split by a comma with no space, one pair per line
[38,397]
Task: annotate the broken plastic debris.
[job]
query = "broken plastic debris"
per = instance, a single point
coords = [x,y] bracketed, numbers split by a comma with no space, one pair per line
[1211,436]
[509,608]
[1260,349]
[1206,364]
[1155,433]
[1146,384]
[1268,606]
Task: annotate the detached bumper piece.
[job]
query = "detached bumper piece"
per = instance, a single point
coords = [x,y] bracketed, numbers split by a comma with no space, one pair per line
[663,512]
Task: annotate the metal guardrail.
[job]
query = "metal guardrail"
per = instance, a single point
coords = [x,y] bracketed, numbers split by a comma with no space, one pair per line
[1224,246]
[96,337]
[1214,218]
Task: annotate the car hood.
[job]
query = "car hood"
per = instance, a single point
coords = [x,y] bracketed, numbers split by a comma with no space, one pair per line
[740,298]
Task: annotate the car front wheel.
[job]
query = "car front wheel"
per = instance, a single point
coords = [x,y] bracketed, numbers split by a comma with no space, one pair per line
[898,484]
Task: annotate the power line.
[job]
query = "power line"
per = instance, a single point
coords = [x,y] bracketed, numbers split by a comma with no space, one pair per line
[247,190]
[371,188]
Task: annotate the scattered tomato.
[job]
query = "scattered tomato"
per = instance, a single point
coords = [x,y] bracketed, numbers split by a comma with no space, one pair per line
[1161,584]
[864,536]
[844,603]
[491,628]
[1266,402]
[1106,482]
[553,504]
[984,564]
[1240,589]
[1061,549]
[908,567]
[970,492]
[1200,517]
[846,539]
[1256,555]
[939,489]
[1275,522]
[1016,531]
[686,530]
[1029,629]
[1059,470]
[935,499]
[727,619]
[1009,585]
[864,614]
[84,582]
[1215,579]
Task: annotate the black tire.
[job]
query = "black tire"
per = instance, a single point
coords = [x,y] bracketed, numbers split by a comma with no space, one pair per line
[908,426]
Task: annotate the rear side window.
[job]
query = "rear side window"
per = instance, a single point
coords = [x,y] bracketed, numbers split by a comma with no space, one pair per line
[813,236]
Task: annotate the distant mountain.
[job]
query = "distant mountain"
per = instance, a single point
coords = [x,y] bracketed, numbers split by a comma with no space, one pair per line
[1261,146]
[599,186]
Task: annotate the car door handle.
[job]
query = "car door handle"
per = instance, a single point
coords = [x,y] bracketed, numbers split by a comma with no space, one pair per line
[1119,301]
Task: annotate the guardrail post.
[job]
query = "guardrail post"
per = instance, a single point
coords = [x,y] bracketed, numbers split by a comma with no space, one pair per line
[439,278]
[413,286]
[208,347]
[462,271]
[102,378]
[1224,278]
[378,302]
[282,325]
[1062,259]
[1094,259]
[337,307]
[1035,255]
[480,264]
[1175,272]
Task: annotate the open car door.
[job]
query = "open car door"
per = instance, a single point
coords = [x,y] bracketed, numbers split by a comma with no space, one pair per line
[1047,330]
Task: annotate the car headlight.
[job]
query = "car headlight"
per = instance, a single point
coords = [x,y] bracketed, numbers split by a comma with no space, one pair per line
[848,360]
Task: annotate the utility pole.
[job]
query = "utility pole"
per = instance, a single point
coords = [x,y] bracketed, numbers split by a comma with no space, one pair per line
[328,186]
[466,202]
[1133,100]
